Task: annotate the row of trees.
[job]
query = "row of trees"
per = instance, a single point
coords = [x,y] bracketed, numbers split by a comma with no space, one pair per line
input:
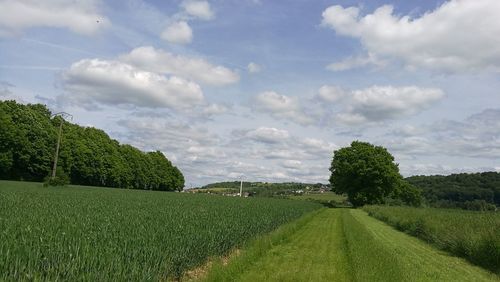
[464,190]
[88,156]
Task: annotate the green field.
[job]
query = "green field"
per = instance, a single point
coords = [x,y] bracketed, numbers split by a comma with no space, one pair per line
[344,245]
[326,196]
[470,234]
[105,234]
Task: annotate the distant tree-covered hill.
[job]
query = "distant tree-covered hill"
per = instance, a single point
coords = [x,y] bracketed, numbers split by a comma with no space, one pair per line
[268,188]
[88,156]
[459,190]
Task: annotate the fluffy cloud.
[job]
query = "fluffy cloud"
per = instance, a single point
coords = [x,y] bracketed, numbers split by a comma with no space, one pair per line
[331,93]
[178,32]
[269,154]
[317,147]
[478,136]
[112,82]
[78,16]
[198,9]
[293,164]
[215,109]
[157,60]
[254,68]
[281,106]
[268,135]
[459,35]
[379,103]
[356,62]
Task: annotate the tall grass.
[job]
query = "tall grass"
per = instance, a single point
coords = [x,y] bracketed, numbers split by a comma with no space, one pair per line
[100,234]
[472,235]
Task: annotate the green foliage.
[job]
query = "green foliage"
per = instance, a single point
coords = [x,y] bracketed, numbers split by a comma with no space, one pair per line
[472,235]
[264,189]
[27,141]
[88,155]
[80,233]
[56,181]
[407,194]
[367,174]
[464,190]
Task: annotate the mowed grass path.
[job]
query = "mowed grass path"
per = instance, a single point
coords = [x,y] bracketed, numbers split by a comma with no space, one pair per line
[348,245]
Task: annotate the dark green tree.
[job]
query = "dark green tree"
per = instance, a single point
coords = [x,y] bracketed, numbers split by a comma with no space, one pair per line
[366,173]
[88,156]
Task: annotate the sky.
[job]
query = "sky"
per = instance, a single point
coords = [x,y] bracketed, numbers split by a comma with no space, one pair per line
[266,90]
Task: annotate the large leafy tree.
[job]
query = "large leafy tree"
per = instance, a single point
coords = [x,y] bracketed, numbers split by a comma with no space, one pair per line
[367,174]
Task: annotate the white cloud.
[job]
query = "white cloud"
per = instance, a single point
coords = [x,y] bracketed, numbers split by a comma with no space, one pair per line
[198,9]
[293,164]
[315,146]
[254,68]
[478,136]
[281,106]
[379,103]
[331,93]
[459,35]
[268,135]
[197,69]
[178,32]
[111,82]
[356,62]
[215,109]
[78,16]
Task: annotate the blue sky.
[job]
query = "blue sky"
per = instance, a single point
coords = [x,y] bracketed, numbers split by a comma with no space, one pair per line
[266,89]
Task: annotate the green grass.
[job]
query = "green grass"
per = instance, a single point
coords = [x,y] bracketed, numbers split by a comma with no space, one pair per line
[305,250]
[344,245]
[101,234]
[328,199]
[327,196]
[469,234]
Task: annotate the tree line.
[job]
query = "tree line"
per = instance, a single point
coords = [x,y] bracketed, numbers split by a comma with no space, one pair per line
[88,156]
[463,190]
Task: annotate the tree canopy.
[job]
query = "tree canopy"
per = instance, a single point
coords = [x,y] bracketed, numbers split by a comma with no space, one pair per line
[369,175]
[463,190]
[88,156]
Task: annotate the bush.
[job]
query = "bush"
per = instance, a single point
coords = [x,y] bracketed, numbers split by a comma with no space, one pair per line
[60,180]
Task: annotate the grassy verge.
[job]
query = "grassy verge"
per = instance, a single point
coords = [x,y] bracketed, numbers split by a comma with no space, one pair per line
[220,270]
[472,235]
[343,245]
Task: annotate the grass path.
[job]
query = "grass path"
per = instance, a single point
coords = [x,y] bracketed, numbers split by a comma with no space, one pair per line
[348,245]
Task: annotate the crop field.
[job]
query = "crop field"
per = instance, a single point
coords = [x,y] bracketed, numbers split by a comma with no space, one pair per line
[105,234]
[470,234]
[344,245]
[327,196]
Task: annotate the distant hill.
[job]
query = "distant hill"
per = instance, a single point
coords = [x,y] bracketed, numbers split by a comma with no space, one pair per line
[268,188]
[459,190]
